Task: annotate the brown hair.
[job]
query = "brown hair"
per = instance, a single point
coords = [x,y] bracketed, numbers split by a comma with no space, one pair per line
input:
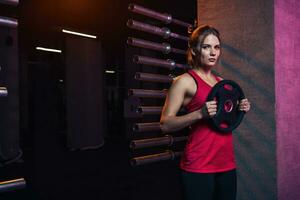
[197,37]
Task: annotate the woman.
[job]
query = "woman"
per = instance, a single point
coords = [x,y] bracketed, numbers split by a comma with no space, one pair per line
[208,165]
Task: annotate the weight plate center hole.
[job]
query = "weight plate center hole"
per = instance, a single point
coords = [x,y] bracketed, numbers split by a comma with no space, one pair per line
[228,106]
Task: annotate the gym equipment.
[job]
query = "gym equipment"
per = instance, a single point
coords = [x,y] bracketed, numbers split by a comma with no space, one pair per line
[3,92]
[10,2]
[12,185]
[163,47]
[147,93]
[164,32]
[151,142]
[168,155]
[227,93]
[169,64]
[149,110]
[7,21]
[133,106]
[140,76]
[164,17]
[150,126]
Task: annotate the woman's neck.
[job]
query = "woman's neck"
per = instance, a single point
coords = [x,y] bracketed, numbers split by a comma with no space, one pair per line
[203,71]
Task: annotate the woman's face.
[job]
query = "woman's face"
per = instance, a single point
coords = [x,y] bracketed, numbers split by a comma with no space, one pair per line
[209,51]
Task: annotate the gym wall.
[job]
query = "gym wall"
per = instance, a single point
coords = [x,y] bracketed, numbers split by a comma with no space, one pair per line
[287,81]
[9,106]
[84,93]
[247,34]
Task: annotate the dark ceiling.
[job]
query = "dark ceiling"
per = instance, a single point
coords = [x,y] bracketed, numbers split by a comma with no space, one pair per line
[39,20]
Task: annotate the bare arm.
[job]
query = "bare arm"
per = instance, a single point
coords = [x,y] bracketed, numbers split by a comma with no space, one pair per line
[175,98]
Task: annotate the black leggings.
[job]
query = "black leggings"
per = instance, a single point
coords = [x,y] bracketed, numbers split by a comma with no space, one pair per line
[209,186]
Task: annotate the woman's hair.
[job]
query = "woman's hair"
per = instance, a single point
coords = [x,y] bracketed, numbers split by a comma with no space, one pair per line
[197,37]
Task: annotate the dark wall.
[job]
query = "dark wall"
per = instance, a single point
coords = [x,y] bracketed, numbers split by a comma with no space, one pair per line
[246,29]
[9,77]
[52,171]
[84,93]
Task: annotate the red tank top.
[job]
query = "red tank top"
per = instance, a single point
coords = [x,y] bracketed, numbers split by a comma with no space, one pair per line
[206,150]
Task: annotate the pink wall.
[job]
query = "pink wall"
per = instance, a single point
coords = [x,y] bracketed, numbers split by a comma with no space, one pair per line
[287,83]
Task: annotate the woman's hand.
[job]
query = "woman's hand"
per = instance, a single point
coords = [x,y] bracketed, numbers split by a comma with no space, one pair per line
[244,105]
[209,109]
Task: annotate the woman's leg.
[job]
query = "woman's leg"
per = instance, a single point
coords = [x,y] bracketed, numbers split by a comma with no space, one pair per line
[225,185]
[198,186]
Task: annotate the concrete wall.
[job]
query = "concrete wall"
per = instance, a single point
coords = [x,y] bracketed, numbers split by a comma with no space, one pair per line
[247,29]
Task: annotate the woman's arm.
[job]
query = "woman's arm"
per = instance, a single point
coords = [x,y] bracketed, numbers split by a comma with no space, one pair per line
[175,98]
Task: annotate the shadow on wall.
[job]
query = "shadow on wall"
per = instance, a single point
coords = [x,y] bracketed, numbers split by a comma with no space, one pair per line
[256,135]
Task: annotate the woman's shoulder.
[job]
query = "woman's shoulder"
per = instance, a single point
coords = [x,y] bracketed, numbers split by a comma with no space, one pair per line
[185,78]
[182,82]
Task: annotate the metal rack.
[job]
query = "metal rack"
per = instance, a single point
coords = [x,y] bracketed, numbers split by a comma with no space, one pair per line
[168,142]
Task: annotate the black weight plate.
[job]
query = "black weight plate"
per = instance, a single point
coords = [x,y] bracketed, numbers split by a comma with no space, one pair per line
[227,93]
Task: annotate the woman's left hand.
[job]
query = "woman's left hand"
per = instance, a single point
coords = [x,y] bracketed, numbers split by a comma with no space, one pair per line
[244,105]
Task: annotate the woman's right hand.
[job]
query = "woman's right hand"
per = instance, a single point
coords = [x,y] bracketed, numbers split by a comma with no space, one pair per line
[209,109]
